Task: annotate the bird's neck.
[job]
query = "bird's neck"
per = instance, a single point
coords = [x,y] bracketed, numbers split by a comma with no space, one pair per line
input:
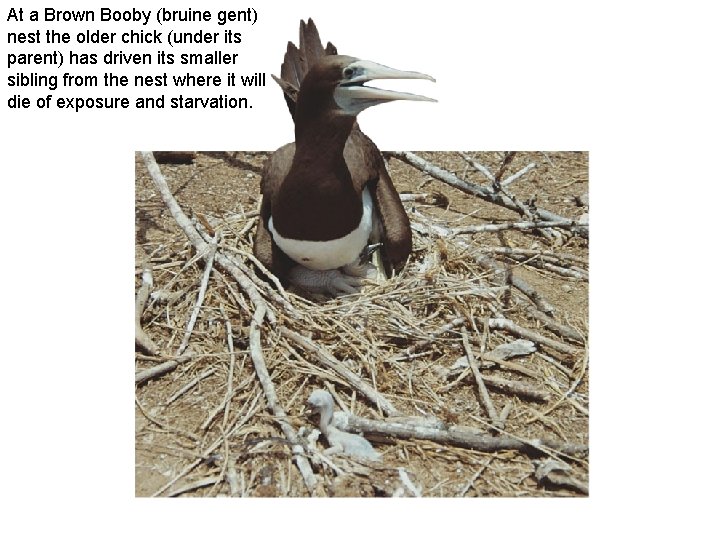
[326,414]
[320,178]
[322,139]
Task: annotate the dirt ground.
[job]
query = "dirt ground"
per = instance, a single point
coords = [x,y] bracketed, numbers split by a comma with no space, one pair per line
[204,429]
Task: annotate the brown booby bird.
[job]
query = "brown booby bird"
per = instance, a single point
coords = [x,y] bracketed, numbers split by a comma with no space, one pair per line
[326,196]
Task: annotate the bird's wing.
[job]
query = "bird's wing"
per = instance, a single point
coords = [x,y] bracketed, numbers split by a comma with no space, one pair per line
[367,169]
[264,248]
[397,236]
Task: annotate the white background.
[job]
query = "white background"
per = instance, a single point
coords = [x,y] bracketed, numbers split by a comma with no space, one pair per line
[634,83]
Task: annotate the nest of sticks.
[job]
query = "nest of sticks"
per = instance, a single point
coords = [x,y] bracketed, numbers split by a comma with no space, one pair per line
[460,370]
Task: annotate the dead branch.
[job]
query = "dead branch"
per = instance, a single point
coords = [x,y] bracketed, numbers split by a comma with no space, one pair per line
[233,479]
[557,365]
[455,435]
[197,484]
[161,369]
[543,255]
[557,266]
[408,353]
[484,395]
[550,235]
[570,390]
[165,426]
[504,414]
[209,258]
[513,177]
[198,243]
[278,296]
[509,156]
[231,370]
[509,326]
[329,361]
[267,273]
[500,275]
[556,474]
[506,386]
[238,423]
[141,338]
[478,166]
[240,301]
[474,477]
[517,388]
[552,324]
[510,366]
[268,387]
[204,375]
[175,211]
[572,273]
[223,406]
[572,401]
[476,190]
[405,479]
[518,226]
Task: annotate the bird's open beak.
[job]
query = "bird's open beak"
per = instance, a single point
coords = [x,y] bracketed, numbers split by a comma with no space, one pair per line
[353,97]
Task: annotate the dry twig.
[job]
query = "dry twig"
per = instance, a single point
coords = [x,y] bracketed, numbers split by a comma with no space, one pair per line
[454,435]
[141,338]
[517,388]
[204,375]
[518,226]
[161,369]
[231,370]
[513,177]
[473,189]
[197,484]
[517,330]
[237,424]
[484,395]
[329,361]
[408,353]
[269,389]
[499,274]
[200,245]
[209,258]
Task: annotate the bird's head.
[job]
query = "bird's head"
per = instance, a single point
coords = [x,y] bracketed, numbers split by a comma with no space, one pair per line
[339,82]
[320,400]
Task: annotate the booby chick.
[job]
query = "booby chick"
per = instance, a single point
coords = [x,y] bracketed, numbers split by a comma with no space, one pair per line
[340,441]
[328,194]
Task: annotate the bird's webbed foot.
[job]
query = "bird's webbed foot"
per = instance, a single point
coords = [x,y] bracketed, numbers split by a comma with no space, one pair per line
[366,265]
[360,269]
[333,282]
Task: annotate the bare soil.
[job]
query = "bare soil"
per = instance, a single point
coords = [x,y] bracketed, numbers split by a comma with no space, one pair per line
[183,413]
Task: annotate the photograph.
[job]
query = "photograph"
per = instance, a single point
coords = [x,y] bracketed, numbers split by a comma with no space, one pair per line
[333,319]
[352,241]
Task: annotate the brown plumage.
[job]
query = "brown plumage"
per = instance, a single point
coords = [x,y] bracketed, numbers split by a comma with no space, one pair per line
[312,188]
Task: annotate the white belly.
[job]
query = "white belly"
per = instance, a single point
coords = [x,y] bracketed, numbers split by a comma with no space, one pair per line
[329,254]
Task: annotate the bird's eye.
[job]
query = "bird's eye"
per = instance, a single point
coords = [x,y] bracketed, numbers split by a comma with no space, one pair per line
[348,72]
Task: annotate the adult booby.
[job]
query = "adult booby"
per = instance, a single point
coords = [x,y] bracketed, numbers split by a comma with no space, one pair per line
[328,194]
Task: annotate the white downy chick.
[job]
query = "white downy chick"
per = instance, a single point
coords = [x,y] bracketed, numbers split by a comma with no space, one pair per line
[340,441]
